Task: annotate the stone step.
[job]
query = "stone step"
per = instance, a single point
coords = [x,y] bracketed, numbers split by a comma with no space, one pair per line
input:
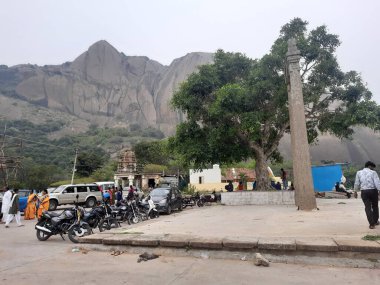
[236,243]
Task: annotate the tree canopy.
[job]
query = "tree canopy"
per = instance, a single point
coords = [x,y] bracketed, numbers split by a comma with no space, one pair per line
[237,108]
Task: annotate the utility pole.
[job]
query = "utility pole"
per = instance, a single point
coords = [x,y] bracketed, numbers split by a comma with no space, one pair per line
[75,163]
[302,179]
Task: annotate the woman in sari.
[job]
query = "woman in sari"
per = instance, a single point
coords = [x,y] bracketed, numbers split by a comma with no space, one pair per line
[30,210]
[44,203]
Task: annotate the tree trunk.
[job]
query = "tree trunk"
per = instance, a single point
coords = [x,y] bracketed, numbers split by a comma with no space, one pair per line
[261,169]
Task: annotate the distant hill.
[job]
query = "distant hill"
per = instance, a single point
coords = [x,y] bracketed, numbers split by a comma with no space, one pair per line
[106,88]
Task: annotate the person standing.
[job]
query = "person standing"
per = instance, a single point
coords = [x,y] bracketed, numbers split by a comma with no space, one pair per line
[229,187]
[31,208]
[44,203]
[284,178]
[14,210]
[109,191]
[131,193]
[119,196]
[6,204]
[367,181]
[113,197]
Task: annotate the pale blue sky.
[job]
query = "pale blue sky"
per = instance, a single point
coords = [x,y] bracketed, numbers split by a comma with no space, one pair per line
[52,32]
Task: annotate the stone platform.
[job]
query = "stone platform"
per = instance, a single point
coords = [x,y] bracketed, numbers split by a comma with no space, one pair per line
[258,198]
[331,235]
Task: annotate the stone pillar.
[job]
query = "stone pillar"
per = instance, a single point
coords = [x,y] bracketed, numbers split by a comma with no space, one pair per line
[302,179]
[131,178]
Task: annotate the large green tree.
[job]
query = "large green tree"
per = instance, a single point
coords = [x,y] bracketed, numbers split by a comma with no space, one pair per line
[237,108]
[90,160]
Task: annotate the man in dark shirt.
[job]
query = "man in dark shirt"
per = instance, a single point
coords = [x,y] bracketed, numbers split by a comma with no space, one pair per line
[284,177]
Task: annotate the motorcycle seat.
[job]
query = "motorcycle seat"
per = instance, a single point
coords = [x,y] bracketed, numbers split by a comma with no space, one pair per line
[86,215]
[53,214]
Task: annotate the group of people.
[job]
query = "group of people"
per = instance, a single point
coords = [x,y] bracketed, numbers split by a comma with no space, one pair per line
[36,205]
[115,195]
[284,177]
[10,208]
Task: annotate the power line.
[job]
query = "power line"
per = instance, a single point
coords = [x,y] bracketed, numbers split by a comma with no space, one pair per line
[41,143]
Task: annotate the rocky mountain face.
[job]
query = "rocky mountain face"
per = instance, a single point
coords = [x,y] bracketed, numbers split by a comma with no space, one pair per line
[107,88]
[104,86]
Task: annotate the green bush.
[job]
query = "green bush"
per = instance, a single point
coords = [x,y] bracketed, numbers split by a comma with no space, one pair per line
[76,181]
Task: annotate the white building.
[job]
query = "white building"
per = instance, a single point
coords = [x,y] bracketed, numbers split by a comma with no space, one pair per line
[206,176]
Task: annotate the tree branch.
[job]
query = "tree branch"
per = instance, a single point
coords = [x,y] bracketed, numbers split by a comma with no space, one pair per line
[307,68]
[276,141]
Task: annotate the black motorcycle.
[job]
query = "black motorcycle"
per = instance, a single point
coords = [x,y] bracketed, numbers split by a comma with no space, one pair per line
[133,213]
[94,217]
[189,200]
[207,199]
[110,219]
[67,222]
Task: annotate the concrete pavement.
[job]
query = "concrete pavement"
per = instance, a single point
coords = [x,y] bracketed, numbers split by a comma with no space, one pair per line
[24,259]
[335,232]
[102,268]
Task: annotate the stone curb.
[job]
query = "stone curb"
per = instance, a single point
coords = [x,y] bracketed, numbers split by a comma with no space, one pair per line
[235,243]
[175,241]
[206,243]
[325,245]
[358,245]
[240,243]
[277,244]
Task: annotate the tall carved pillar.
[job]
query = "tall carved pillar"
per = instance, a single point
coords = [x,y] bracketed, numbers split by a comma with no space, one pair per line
[302,179]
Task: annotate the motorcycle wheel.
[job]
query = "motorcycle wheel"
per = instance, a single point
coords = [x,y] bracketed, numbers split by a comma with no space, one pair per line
[135,219]
[79,231]
[42,236]
[200,203]
[154,214]
[107,225]
[144,217]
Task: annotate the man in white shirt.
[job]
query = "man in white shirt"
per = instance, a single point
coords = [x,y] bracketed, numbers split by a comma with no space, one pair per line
[6,204]
[367,181]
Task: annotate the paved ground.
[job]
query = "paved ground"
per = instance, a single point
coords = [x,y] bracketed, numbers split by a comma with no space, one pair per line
[26,260]
[101,268]
[337,218]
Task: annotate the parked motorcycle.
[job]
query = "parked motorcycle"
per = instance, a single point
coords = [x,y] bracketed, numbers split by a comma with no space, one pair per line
[134,215]
[110,219]
[79,228]
[207,199]
[67,222]
[189,200]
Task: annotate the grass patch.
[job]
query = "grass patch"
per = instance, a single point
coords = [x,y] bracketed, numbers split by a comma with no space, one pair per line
[371,237]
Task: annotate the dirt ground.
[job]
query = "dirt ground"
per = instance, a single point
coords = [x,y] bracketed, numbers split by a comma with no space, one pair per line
[24,259]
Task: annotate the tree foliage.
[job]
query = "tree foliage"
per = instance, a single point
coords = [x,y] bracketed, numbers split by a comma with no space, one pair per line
[154,152]
[237,107]
[89,161]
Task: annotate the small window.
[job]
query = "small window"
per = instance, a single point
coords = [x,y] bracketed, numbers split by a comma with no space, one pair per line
[23,194]
[70,190]
[94,188]
[81,189]
[201,179]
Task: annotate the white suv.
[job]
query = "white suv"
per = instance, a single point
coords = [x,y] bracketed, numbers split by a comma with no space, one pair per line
[88,194]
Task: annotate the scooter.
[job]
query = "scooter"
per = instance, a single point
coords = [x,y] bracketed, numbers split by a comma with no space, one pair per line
[150,208]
